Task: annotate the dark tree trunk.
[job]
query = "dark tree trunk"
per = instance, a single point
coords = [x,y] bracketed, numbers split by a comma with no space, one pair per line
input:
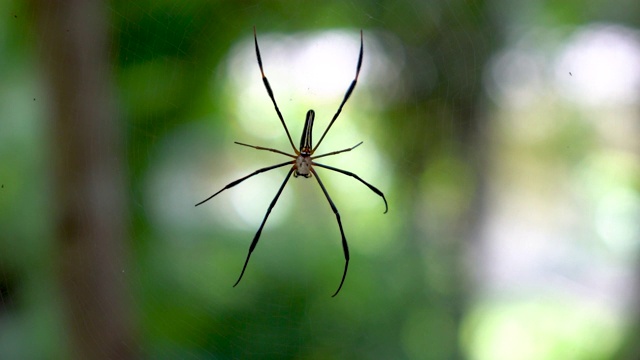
[90,212]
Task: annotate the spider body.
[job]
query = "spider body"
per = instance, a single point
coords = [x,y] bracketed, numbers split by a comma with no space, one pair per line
[303,162]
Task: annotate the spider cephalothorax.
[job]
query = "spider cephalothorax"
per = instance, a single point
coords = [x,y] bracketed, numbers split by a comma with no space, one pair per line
[303,163]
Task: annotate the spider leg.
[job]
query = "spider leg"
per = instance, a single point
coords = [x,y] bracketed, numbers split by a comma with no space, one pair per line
[337,152]
[268,87]
[348,173]
[267,149]
[346,96]
[257,236]
[345,247]
[236,182]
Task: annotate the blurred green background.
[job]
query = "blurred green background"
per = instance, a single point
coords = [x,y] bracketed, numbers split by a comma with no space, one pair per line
[503,134]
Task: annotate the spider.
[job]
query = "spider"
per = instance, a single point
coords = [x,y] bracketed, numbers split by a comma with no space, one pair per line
[303,162]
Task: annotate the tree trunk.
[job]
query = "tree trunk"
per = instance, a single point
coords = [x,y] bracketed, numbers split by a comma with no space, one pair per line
[90,211]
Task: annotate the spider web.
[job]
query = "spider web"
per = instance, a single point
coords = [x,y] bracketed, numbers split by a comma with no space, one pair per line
[504,137]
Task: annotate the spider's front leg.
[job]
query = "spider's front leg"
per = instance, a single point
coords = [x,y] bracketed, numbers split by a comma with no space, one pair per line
[345,246]
[264,221]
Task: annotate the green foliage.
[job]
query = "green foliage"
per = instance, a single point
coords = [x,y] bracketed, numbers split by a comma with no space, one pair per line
[413,286]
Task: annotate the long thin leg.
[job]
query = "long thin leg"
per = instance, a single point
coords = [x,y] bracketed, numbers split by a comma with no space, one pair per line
[345,247]
[346,96]
[236,182]
[257,236]
[268,87]
[337,152]
[267,149]
[348,173]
